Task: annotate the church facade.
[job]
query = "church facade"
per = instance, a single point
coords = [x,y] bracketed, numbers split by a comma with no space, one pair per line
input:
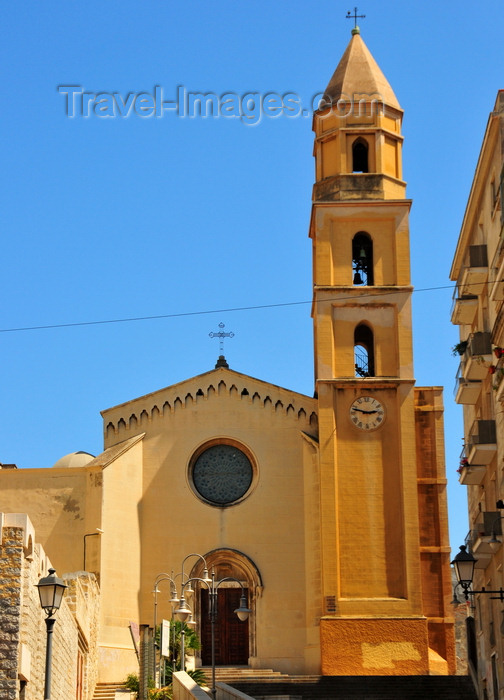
[330,511]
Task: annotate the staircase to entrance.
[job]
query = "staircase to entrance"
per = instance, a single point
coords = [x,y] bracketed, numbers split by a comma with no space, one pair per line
[106,691]
[359,688]
[263,684]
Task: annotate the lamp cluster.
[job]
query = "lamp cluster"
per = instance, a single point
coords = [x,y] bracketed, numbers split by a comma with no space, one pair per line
[182,611]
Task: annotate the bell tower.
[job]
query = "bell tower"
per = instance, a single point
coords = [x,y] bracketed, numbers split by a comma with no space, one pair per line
[383,551]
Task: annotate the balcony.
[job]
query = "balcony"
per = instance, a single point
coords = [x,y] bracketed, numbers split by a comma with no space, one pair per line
[472,475]
[482,442]
[496,287]
[481,536]
[477,357]
[498,383]
[474,272]
[473,369]
[464,309]
[466,392]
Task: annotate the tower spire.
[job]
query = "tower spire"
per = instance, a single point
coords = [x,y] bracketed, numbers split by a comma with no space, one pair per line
[358,74]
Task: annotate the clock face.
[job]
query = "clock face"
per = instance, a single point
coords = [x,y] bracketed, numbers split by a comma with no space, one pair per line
[367,413]
[222,474]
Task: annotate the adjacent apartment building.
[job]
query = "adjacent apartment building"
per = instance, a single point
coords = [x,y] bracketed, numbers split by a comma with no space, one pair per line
[478,310]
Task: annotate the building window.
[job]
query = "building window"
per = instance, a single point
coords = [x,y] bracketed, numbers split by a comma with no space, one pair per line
[360,156]
[364,351]
[493,193]
[362,259]
[221,473]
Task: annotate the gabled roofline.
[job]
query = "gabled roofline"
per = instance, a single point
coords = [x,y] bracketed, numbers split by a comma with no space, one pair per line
[221,371]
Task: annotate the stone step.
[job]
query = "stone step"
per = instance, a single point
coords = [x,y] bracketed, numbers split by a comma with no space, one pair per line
[106,691]
[361,688]
[243,670]
[227,674]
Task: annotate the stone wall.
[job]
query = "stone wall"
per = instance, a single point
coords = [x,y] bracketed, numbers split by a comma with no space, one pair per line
[10,609]
[23,630]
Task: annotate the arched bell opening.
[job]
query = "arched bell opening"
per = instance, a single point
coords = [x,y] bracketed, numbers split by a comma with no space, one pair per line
[364,351]
[362,259]
[360,159]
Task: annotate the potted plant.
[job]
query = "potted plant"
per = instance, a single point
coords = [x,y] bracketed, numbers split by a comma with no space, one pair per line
[459,348]
[464,462]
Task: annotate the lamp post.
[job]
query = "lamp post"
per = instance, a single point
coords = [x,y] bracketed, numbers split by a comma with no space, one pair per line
[51,590]
[184,611]
[464,564]
[173,600]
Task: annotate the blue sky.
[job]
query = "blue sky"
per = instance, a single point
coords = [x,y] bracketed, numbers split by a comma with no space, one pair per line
[117,218]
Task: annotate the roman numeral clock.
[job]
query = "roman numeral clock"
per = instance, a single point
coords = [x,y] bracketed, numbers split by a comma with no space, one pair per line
[367,413]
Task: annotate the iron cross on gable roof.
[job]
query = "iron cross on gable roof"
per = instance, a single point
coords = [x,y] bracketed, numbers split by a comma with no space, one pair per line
[221,334]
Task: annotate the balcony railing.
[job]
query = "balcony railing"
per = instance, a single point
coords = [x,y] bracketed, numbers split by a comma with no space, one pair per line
[482,442]
[466,391]
[478,356]
[479,538]
[464,307]
[474,271]
[473,368]
[498,377]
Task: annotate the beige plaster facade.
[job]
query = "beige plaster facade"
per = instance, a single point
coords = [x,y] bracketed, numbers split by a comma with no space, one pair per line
[340,534]
[478,310]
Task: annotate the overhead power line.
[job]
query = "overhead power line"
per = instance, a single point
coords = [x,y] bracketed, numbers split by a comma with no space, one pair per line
[197,313]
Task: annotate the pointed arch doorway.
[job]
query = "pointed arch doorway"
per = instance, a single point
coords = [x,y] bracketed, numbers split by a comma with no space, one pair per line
[234,640]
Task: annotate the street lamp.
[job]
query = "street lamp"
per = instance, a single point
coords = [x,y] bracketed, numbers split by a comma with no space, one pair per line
[51,590]
[183,612]
[464,564]
[242,611]
[173,600]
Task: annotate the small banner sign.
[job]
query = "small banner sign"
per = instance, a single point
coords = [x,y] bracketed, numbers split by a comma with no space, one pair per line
[165,638]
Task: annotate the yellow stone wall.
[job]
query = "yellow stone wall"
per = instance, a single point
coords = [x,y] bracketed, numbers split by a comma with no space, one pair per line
[63,504]
[358,647]
[276,526]
[121,562]
[384,542]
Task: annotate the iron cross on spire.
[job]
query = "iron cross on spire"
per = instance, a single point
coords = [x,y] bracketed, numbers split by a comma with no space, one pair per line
[221,335]
[354,16]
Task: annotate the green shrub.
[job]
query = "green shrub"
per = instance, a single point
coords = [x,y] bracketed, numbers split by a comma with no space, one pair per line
[161,694]
[132,683]
[198,675]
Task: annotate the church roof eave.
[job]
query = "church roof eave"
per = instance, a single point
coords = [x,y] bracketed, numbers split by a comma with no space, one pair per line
[215,375]
[112,453]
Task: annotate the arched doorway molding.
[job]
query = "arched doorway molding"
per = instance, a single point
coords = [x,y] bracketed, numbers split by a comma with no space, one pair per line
[235,564]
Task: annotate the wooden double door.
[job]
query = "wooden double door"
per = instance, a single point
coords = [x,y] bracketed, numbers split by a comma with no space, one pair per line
[231,634]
